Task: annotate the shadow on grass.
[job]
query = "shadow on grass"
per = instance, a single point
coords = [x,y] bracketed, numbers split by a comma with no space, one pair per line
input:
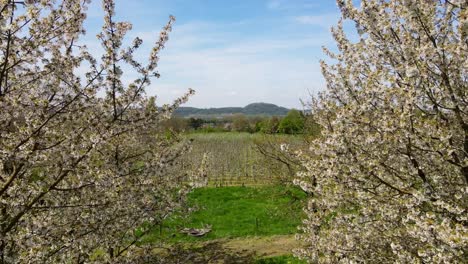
[210,252]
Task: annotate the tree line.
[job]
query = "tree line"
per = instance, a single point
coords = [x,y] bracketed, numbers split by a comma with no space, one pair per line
[295,122]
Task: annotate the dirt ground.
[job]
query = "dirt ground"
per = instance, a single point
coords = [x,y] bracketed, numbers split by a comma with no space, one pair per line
[263,246]
[230,251]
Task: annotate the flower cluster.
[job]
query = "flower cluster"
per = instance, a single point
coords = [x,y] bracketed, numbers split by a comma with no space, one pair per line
[84,172]
[389,176]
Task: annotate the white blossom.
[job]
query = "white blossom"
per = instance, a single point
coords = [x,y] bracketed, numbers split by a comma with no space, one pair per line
[389,174]
[83,165]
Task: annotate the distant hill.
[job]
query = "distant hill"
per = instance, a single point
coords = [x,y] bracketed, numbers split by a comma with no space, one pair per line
[255,109]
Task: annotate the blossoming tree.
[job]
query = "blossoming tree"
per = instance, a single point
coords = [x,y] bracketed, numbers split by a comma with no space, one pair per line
[82,167]
[389,175]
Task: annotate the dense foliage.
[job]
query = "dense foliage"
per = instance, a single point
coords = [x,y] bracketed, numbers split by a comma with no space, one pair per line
[295,122]
[390,173]
[292,123]
[81,162]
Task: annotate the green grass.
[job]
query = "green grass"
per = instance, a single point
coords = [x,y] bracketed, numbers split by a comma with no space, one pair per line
[280,260]
[237,212]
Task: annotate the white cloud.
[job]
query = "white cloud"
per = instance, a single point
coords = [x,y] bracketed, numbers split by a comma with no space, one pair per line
[274,4]
[292,5]
[229,69]
[324,20]
[240,71]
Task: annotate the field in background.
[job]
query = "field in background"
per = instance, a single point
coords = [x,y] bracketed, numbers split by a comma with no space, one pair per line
[234,160]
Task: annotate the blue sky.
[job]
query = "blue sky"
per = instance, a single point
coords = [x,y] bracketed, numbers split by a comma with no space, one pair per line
[231,52]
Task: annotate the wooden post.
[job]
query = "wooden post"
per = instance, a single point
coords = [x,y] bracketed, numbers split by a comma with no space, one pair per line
[256,225]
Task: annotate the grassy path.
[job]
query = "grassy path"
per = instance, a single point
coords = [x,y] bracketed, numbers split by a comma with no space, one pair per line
[248,224]
[237,211]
